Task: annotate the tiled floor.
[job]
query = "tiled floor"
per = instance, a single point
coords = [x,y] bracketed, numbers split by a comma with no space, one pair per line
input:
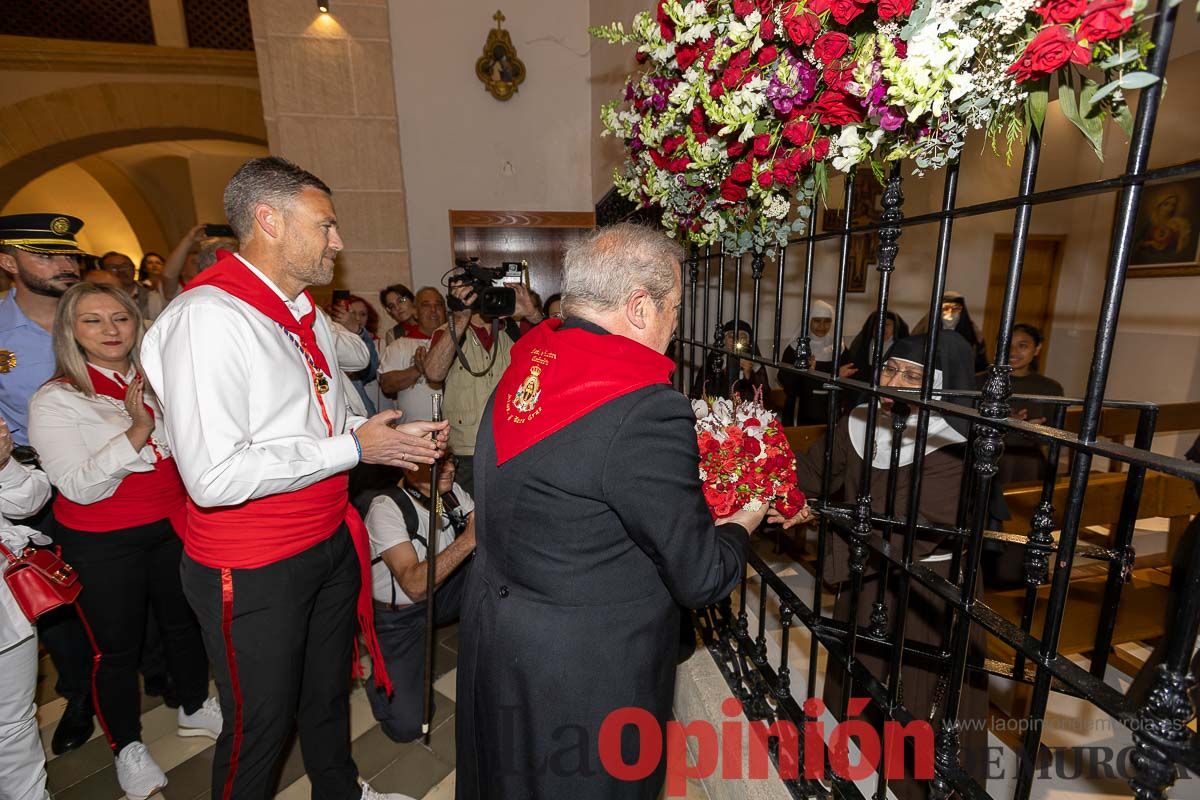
[414,769]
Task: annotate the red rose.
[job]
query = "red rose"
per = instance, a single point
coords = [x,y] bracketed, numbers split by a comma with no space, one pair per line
[1050,49]
[1103,20]
[716,90]
[665,25]
[767,55]
[767,31]
[783,174]
[672,143]
[1057,11]
[836,76]
[845,10]
[735,149]
[765,7]
[820,149]
[744,8]
[765,179]
[819,6]
[741,172]
[831,46]
[686,55]
[762,144]
[732,192]
[800,23]
[894,8]
[792,501]
[741,60]
[731,78]
[799,132]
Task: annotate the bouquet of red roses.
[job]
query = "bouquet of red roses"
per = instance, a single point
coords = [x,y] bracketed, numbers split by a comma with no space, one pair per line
[745,459]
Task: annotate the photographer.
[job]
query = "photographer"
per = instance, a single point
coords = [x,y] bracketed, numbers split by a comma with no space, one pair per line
[397,519]
[469,385]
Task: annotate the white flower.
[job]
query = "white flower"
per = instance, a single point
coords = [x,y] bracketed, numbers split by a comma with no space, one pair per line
[700,409]
[722,411]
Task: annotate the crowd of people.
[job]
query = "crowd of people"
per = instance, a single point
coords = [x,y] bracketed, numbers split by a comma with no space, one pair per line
[242,482]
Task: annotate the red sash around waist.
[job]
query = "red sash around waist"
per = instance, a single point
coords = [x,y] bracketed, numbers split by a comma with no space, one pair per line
[142,498]
[270,529]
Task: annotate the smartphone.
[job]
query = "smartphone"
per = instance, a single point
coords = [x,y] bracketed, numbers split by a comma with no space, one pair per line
[219,231]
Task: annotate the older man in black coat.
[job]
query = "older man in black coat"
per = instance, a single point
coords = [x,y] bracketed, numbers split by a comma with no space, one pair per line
[592,530]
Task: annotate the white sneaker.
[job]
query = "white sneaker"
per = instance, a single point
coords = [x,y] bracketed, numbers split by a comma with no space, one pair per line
[206,721]
[137,773]
[371,794]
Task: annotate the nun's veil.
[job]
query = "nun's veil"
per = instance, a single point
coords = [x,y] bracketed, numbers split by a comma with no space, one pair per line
[954,359]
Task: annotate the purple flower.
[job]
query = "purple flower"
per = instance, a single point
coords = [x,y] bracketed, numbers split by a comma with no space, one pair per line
[808,82]
[876,95]
[629,92]
[635,144]
[659,102]
[892,119]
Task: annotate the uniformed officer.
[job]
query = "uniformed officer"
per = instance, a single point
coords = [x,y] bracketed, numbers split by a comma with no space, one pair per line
[40,254]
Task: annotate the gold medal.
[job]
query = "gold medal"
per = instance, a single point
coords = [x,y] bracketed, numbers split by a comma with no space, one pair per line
[320,382]
[8,360]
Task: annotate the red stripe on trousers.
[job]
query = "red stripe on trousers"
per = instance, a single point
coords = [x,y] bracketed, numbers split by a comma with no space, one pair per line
[96,656]
[227,630]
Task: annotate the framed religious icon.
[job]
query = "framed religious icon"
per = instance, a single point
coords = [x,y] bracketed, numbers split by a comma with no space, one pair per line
[1166,231]
[499,68]
[866,210]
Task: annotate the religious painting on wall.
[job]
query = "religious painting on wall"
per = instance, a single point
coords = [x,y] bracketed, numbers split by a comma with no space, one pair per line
[1166,231]
[499,68]
[864,247]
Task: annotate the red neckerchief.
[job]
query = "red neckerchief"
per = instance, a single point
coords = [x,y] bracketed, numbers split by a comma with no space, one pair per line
[556,376]
[230,275]
[102,384]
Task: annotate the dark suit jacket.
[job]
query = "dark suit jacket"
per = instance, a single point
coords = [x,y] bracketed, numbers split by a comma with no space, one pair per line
[586,543]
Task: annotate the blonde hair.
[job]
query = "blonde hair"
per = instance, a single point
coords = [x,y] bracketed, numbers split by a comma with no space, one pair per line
[70,361]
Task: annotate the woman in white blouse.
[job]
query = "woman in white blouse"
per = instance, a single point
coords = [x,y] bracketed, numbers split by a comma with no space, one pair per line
[120,514]
[23,491]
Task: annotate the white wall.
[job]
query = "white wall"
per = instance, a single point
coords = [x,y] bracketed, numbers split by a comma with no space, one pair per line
[461,148]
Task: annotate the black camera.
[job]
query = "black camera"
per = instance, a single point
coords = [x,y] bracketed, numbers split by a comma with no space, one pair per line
[493,299]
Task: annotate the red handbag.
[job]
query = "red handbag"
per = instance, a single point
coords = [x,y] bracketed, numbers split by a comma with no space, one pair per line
[40,581]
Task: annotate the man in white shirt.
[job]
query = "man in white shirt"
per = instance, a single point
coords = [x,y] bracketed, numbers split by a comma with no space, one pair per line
[402,366]
[275,560]
[398,522]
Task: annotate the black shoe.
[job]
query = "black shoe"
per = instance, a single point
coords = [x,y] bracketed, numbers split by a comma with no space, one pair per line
[75,727]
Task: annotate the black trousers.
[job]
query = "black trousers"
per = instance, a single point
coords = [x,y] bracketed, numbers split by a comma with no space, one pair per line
[124,573]
[60,631]
[402,639]
[281,641]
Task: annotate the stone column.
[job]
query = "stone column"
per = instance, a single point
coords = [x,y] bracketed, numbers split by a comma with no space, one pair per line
[329,102]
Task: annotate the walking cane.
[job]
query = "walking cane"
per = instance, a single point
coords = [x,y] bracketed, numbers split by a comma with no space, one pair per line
[435,519]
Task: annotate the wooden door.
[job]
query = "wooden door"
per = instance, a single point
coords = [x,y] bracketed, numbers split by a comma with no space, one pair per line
[1039,283]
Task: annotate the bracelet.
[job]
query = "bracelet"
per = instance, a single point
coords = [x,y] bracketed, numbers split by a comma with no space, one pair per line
[357,444]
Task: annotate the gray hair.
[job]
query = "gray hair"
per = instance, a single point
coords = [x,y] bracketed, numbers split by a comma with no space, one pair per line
[70,360]
[269,179]
[604,268]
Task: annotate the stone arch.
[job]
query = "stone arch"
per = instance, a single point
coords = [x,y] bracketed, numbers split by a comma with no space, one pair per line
[44,132]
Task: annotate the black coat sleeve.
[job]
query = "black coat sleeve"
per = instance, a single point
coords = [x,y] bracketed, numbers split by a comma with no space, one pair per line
[652,482]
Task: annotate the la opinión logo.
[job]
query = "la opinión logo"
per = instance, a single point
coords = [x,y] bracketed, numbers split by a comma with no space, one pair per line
[724,749]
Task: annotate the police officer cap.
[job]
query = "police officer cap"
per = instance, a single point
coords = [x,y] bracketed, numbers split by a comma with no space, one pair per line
[47,234]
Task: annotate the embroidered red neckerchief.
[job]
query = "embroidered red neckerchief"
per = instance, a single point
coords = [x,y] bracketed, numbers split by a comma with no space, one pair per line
[557,375]
[230,275]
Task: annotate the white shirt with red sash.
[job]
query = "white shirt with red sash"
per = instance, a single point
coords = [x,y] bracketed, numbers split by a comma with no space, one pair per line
[239,399]
[262,450]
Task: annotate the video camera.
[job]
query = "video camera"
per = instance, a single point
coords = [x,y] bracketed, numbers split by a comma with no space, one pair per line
[494,296]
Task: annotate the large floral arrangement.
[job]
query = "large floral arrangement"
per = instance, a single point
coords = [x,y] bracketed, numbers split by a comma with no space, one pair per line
[745,459]
[741,106]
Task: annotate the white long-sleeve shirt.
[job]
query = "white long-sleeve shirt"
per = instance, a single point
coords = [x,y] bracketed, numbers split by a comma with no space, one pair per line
[81,440]
[23,490]
[242,417]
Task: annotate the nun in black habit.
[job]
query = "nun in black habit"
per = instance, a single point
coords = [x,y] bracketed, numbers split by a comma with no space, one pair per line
[928,618]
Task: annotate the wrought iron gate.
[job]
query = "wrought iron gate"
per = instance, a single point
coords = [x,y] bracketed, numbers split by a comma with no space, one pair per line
[1163,741]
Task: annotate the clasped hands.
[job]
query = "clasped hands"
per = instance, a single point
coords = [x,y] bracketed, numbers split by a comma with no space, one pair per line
[385,440]
[750,520]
